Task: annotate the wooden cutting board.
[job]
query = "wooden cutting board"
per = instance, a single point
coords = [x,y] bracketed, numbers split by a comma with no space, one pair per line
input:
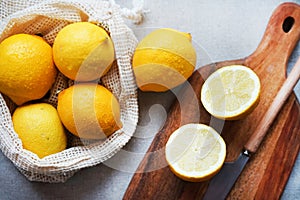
[267,172]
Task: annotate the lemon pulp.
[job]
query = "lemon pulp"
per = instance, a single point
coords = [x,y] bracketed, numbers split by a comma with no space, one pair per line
[231,92]
[195,152]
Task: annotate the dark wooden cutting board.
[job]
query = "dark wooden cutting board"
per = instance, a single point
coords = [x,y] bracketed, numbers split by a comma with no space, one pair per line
[267,172]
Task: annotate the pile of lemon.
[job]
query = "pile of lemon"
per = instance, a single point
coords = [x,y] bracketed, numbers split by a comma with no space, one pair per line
[84,52]
[81,51]
[164,59]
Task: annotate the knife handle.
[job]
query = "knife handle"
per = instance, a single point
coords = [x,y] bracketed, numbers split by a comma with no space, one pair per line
[264,125]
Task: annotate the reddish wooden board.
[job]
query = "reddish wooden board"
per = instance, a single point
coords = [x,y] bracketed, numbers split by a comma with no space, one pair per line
[267,172]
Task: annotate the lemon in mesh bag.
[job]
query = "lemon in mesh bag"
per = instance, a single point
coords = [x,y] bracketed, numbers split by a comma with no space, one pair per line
[83,51]
[27,71]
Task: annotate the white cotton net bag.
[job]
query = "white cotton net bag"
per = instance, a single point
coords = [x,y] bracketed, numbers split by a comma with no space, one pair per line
[46,18]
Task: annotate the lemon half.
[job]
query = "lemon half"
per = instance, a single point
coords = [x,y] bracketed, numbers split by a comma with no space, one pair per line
[231,92]
[195,152]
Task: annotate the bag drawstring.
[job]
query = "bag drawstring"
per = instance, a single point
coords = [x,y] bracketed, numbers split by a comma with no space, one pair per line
[136,13]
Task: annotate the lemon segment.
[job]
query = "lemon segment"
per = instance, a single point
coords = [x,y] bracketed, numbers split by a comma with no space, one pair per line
[195,152]
[40,129]
[231,92]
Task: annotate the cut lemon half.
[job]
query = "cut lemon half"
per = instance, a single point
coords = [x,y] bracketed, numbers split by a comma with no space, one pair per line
[195,152]
[231,92]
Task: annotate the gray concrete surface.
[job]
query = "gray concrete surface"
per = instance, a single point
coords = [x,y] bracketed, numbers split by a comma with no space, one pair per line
[224,30]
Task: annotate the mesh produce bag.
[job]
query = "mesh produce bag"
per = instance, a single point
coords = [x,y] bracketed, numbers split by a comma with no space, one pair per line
[46,18]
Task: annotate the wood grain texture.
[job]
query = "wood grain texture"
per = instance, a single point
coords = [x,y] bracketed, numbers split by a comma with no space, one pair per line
[265,175]
[286,145]
[262,128]
[268,170]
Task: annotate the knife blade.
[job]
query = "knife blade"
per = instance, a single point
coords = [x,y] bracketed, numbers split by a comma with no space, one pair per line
[229,172]
[221,184]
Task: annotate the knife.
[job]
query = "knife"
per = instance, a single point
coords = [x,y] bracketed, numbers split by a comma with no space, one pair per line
[221,184]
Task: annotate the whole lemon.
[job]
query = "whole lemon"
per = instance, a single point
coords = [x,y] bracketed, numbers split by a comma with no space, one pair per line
[89,111]
[163,59]
[27,70]
[40,129]
[83,51]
